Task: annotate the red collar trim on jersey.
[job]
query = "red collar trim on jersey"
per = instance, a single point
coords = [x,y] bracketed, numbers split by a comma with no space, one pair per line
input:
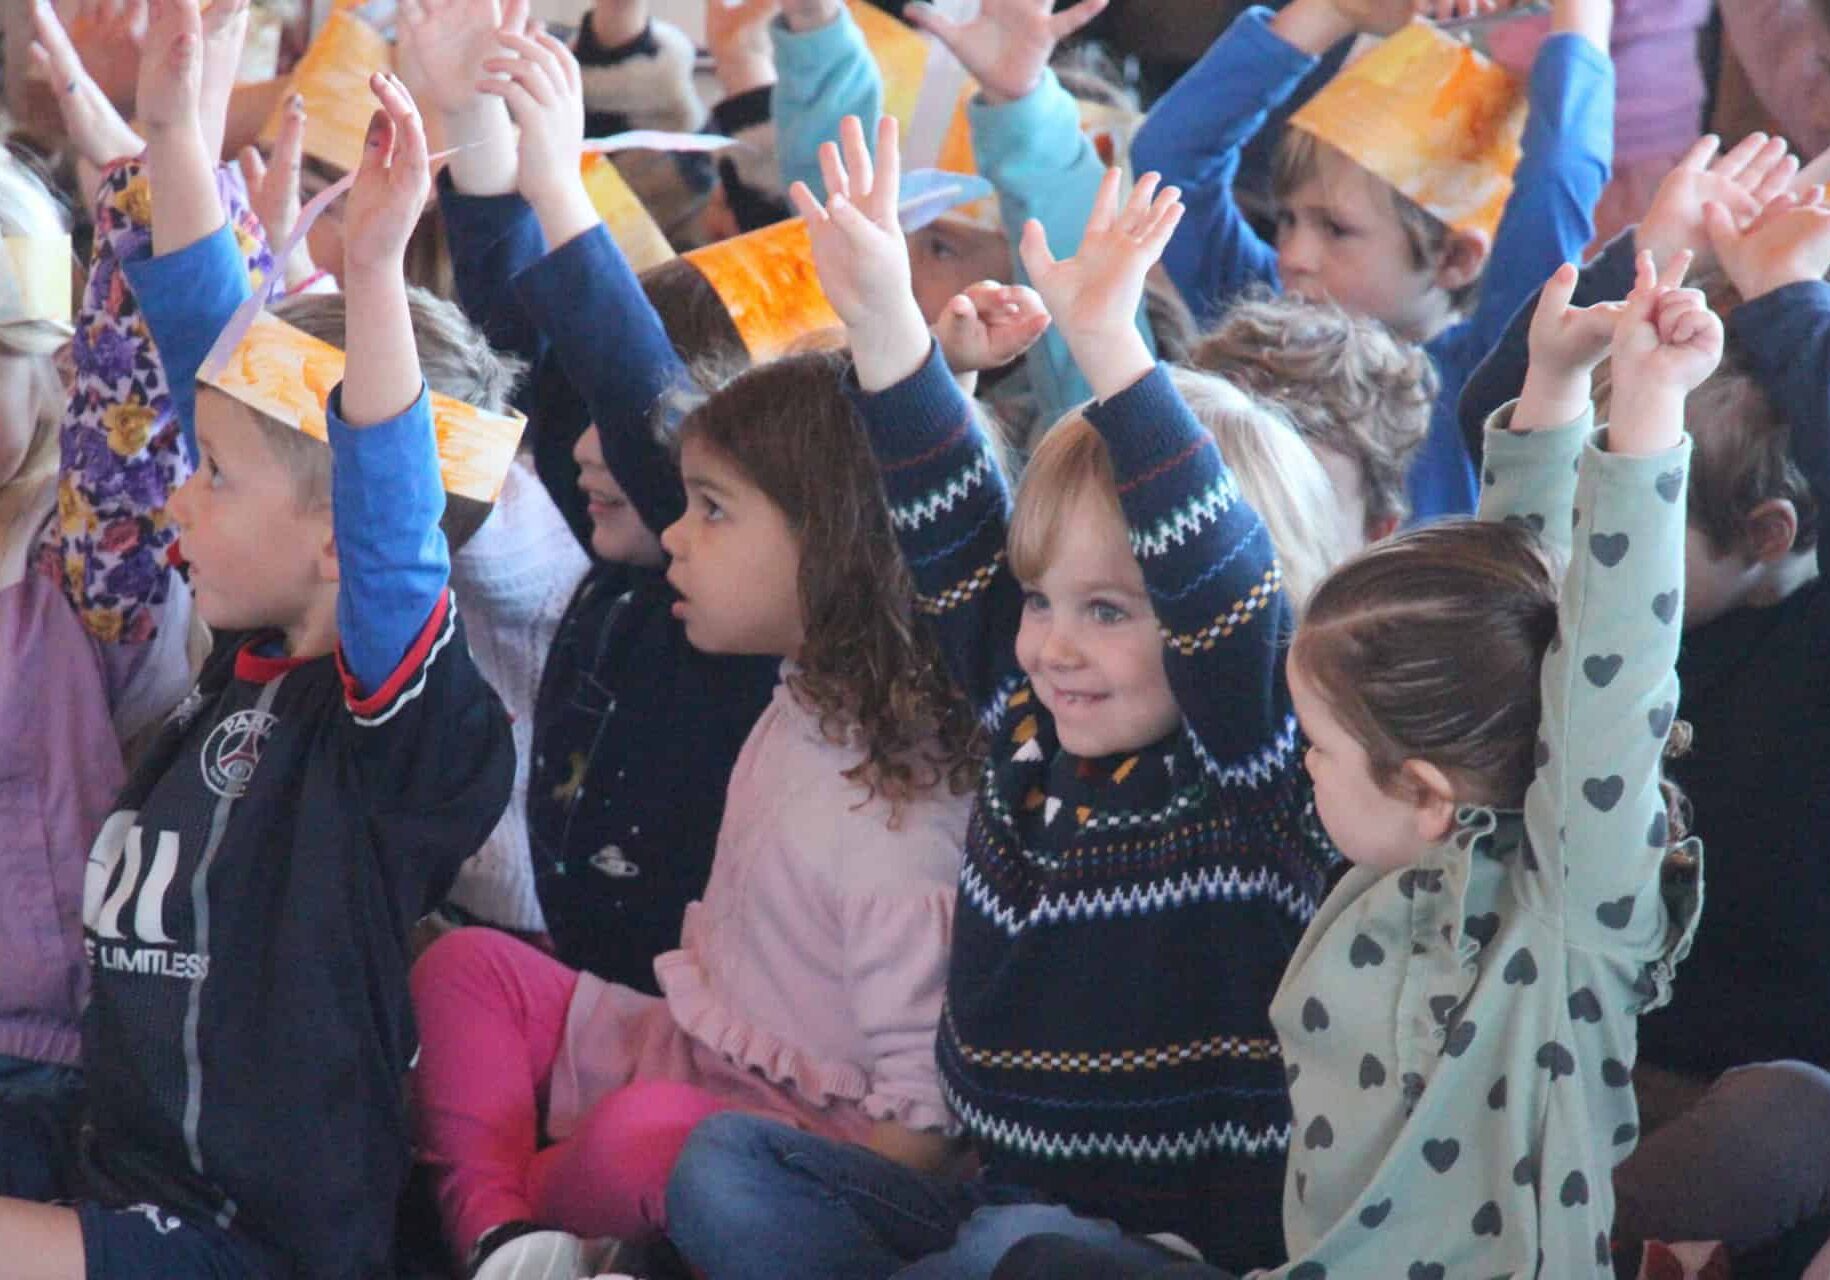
[258,669]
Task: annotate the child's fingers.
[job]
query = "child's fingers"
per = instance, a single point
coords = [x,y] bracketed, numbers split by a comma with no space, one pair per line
[832,170]
[850,219]
[253,168]
[1555,298]
[1778,177]
[528,76]
[514,15]
[1069,20]
[564,61]
[1105,204]
[410,162]
[1719,225]
[377,146]
[885,191]
[1735,162]
[805,205]
[1701,153]
[1676,267]
[1135,218]
[1033,246]
[857,157]
[1156,239]
[531,51]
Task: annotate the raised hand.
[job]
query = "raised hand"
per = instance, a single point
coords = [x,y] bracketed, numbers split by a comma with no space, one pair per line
[1566,344]
[737,37]
[109,36]
[1093,296]
[860,253]
[392,183]
[448,41]
[95,128]
[539,79]
[273,188]
[1788,243]
[1742,181]
[1007,47]
[988,325]
[171,68]
[1666,342]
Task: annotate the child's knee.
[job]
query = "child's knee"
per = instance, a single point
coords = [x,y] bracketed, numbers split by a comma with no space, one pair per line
[459,958]
[725,1152]
[1787,1103]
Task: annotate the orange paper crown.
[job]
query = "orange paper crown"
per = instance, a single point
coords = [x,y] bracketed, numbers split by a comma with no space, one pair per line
[289,375]
[625,216]
[333,78]
[766,281]
[1430,116]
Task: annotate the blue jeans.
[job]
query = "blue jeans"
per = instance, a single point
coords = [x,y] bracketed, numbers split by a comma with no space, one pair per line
[752,1198]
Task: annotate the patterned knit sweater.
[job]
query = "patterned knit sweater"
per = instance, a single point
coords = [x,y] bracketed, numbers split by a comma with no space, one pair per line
[1122,922]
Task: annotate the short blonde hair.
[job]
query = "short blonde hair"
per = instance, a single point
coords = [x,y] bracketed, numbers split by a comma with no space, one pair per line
[1277,475]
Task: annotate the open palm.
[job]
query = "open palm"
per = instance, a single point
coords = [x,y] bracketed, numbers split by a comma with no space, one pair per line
[448,41]
[1009,44]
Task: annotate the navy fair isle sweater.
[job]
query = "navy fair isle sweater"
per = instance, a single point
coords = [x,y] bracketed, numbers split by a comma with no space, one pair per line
[1122,922]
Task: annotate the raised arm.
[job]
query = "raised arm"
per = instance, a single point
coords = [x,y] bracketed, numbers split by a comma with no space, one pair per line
[1595,812]
[1783,324]
[1566,157]
[1206,557]
[824,72]
[126,430]
[947,495]
[1027,141]
[582,296]
[387,496]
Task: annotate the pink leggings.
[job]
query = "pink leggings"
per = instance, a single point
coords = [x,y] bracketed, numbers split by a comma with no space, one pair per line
[492,1018]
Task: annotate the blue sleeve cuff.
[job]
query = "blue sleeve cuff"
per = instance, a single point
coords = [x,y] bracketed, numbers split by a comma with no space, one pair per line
[387,499]
[1274,56]
[1146,424]
[186,297]
[902,418]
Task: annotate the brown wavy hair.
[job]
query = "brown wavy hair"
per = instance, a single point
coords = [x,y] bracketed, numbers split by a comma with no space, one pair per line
[869,670]
[1430,646]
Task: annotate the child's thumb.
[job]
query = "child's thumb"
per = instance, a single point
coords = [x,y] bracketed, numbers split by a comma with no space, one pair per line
[1033,249]
[1719,224]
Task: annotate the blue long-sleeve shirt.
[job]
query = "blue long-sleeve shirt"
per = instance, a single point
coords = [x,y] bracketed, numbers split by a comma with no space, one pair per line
[387,494]
[1194,136]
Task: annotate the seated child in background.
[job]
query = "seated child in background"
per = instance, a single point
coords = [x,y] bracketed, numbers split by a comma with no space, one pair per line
[1459,1020]
[311,798]
[1142,814]
[1346,232]
[1361,396]
[64,705]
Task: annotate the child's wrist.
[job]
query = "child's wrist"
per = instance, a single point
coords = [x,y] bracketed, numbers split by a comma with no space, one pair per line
[1552,398]
[809,15]
[1112,360]
[563,209]
[1313,26]
[888,347]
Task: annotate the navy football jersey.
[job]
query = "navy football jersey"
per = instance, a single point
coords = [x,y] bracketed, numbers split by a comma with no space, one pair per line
[246,912]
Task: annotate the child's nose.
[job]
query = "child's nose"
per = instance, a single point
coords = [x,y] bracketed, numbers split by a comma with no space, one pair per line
[673,541]
[1059,648]
[179,505]
[589,451]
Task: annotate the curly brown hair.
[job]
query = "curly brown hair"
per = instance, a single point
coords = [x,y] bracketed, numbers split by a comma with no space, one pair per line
[869,670]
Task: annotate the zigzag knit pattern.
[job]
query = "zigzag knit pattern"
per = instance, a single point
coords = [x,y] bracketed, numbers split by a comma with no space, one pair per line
[1042,1144]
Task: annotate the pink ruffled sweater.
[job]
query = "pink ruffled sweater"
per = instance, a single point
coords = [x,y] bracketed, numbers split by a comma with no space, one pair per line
[818,956]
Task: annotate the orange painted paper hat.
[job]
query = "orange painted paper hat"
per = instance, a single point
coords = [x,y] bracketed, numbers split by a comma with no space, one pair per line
[288,376]
[333,78]
[766,278]
[630,224]
[766,281]
[1430,116]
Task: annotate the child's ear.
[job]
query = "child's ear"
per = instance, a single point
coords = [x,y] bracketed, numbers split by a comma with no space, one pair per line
[1771,530]
[1464,257]
[329,570]
[1433,795]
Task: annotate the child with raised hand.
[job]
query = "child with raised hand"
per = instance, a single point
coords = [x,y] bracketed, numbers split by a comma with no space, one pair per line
[1027,142]
[1142,814]
[806,985]
[1346,234]
[367,758]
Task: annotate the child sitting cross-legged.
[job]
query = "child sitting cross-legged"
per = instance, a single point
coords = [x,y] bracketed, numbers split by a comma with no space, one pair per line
[247,904]
[1383,207]
[1460,1020]
[1142,816]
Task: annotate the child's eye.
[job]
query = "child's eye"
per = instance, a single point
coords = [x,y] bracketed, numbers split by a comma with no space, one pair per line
[1035,602]
[1107,613]
[941,250]
[1338,231]
[712,510]
[1285,220]
[215,471]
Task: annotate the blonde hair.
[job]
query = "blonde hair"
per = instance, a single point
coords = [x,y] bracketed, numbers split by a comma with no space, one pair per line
[1276,472]
[27,208]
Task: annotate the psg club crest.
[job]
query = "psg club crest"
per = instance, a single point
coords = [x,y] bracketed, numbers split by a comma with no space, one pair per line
[233,751]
